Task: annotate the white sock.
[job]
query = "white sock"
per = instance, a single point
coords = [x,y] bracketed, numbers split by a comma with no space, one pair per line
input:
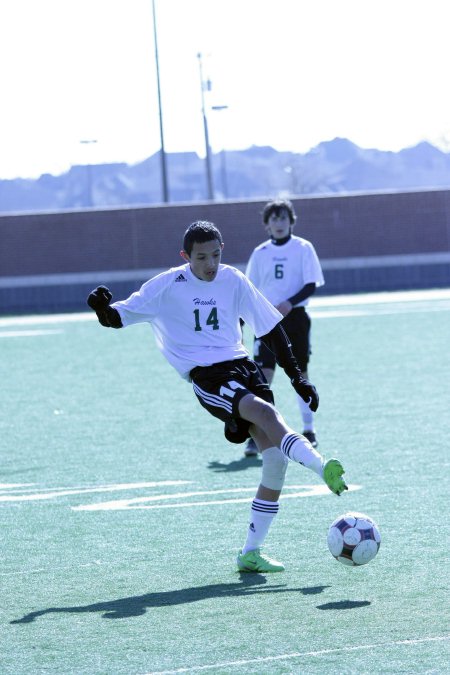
[261,516]
[298,449]
[306,413]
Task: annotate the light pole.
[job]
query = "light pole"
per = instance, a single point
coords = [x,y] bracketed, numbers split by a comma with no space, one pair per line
[165,188]
[206,85]
[223,166]
[89,191]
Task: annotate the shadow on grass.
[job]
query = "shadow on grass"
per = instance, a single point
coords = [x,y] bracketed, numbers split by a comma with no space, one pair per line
[236,465]
[345,604]
[122,608]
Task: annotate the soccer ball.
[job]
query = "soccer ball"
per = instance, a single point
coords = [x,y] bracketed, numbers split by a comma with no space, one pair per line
[354,539]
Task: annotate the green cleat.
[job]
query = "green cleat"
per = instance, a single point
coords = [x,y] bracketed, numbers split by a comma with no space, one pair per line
[332,475]
[255,561]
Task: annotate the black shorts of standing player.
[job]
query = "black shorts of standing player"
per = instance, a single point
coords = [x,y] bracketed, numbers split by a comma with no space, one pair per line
[297,325]
[220,387]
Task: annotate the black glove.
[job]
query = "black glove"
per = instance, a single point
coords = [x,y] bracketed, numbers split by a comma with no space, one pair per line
[99,301]
[307,391]
[99,298]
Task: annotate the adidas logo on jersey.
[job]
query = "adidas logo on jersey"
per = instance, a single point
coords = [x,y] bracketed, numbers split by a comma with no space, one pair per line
[181,277]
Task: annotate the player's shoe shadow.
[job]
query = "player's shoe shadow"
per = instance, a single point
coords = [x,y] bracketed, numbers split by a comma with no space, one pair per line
[122,608]
[236,465]
[345,604]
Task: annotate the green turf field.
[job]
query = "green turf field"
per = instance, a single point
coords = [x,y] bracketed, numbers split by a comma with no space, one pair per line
[123,507]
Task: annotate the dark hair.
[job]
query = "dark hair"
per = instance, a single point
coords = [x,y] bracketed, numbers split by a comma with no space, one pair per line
[276,206]
[199,232]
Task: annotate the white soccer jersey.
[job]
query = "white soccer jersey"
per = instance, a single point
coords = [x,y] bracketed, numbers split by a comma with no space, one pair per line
[196,323]
[279,272]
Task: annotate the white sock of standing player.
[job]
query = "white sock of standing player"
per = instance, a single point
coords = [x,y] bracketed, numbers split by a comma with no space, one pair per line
[261,517]
[306,413]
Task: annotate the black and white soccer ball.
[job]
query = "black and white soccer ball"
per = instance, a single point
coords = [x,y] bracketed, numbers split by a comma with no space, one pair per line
[354,539]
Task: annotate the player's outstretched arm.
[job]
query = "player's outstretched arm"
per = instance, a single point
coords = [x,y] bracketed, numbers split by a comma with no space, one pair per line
[99,300]
[278,342]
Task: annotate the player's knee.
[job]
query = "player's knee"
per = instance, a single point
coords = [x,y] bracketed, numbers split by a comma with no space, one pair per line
[260,413]
[273,468]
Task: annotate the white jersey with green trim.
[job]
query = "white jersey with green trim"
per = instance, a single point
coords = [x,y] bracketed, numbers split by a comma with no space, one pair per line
[279,272]
[196,323]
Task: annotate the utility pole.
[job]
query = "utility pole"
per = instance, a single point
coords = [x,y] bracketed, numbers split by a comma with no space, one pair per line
[206,85]
[165,188]
[223,165]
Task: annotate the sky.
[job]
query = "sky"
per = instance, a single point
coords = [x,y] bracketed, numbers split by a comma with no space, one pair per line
[292,73]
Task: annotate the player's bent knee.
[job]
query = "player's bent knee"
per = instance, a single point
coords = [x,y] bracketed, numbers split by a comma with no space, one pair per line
[274,465]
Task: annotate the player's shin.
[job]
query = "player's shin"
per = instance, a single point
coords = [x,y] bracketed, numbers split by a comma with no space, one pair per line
[306,413]
[261,516]
[274,466]
[264,509]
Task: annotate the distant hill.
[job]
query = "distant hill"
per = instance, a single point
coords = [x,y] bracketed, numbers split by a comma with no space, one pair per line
[335,166]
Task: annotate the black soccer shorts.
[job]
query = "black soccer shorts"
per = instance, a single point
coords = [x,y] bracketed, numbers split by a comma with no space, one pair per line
[297,325]
[220,387]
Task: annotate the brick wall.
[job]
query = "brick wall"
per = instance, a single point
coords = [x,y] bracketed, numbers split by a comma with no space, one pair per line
[120,239]
[341,228]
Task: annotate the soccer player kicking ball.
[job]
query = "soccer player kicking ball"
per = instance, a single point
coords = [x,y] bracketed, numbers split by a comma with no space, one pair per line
[195,312]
